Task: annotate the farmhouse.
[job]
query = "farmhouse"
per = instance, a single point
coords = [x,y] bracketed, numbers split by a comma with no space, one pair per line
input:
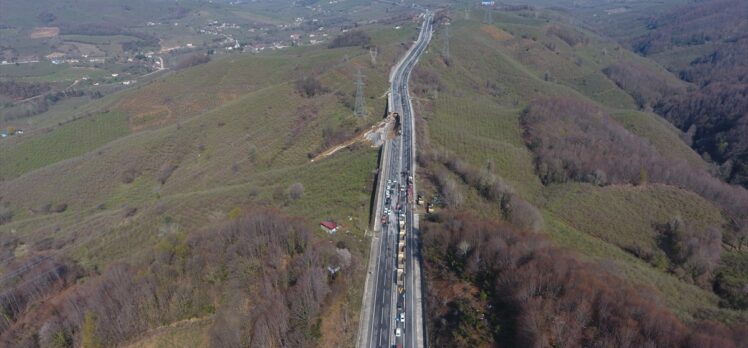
[329,226]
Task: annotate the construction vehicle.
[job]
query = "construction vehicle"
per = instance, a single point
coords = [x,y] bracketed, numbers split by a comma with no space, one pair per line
[401,268]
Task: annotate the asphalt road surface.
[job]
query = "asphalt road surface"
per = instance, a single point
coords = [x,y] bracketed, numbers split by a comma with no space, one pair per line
[388,304]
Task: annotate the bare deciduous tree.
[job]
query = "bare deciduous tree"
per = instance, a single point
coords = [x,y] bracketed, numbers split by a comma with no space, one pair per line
[296,191]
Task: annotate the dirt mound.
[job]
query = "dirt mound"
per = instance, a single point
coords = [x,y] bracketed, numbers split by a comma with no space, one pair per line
[42,32]
[496,33]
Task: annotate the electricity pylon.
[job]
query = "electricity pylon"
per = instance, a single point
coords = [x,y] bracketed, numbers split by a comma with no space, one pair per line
[487,16]
[360,103]
[445,47]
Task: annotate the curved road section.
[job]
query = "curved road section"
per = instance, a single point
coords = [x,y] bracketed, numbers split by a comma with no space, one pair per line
[392,313]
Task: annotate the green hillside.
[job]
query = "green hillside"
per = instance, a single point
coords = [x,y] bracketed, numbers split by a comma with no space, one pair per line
[198,146]
[472,107]
[183,209]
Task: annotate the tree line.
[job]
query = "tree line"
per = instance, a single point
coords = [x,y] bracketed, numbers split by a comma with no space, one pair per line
[575,140]
[531,294]
[715,110]
[351,38]
[262,278]
[23,90]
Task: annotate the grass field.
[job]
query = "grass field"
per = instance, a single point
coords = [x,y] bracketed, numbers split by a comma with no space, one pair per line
[626,215]
[663,135]
[687,301]
[48,72]
[73,139]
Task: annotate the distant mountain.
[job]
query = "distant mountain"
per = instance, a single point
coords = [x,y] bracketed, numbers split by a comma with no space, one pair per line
[704,43]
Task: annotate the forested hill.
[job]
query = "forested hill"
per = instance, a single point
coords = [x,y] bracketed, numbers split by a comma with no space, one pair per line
[704,43]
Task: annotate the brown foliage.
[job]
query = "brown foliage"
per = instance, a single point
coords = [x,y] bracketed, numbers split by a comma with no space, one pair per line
[295,191]
[260,276]
[541,296]
[692,24]
[32,280]
[426,80]
[129,175]
[5,215]
[350,39]
[717,116]
[193,60]
[718,108]
[335,136]
[453,194]
[491,187]
[575,140]
[570,36]
[309,86]
[646,86]
[23,90]
[165,172]
[695,252]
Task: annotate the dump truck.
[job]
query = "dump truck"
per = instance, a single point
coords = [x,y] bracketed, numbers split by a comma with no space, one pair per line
[400,281]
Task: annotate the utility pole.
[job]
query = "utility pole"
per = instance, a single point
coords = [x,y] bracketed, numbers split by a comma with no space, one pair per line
[360,103]
[487,16]
[373,54]
[445,47]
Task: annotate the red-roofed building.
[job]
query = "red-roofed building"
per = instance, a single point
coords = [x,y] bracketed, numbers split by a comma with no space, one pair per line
[329,226]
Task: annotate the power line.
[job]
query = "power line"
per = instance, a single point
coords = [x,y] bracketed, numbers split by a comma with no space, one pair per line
[360,103]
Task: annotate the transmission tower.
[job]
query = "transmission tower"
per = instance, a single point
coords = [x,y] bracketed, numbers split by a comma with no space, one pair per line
[373,54]
[445,47]
[467,11]
[487,16]
[360,103]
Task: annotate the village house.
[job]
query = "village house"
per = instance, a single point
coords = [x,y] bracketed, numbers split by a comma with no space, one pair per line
[329,226]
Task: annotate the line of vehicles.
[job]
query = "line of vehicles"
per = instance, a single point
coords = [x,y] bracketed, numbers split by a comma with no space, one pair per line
[400,191]
[397,195]
[395,266]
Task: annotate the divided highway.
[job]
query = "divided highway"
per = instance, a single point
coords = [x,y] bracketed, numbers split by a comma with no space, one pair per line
[392,313]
